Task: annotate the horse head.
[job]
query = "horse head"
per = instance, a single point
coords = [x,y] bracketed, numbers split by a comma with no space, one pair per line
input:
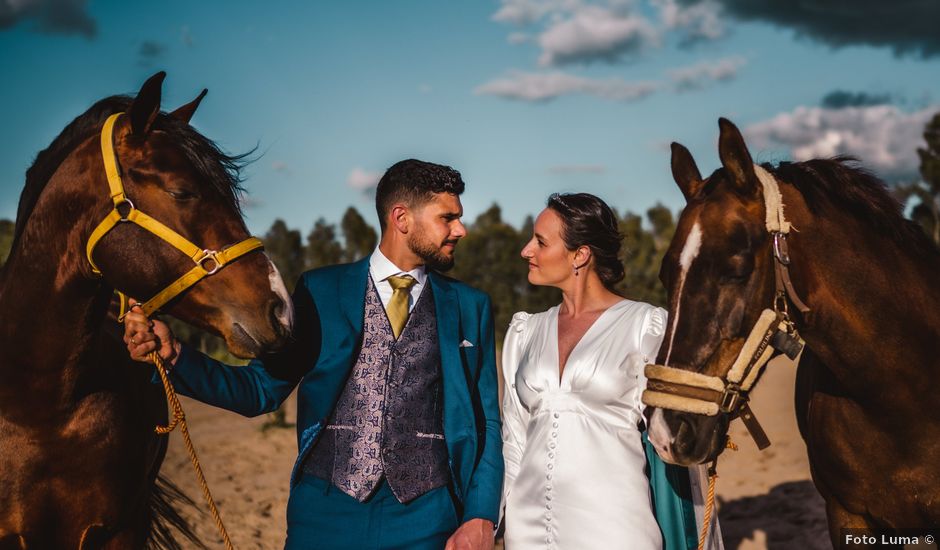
[181,193]
[719,275]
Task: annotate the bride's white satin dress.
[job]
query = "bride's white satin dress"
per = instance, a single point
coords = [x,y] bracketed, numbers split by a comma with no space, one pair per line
[575,462]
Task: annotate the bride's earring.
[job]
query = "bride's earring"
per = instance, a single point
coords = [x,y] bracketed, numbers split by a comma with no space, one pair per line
[576,268]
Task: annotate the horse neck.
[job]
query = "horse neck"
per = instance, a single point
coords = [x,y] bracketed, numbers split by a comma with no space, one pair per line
[50,305]
[875,308]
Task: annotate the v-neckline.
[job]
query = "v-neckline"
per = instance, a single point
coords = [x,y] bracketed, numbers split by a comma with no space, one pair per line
[562,369]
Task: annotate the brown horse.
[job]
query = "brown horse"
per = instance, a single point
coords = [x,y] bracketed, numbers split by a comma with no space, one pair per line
[871,323]
[78,453]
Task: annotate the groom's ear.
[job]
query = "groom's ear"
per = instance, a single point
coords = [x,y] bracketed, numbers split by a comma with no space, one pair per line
[400,218]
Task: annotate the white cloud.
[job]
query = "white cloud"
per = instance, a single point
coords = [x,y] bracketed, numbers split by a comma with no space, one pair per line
[546,86]
[883,137]
[518,38]
[363,180]
[700,75]
[699,21]
[526,12]
[594,33]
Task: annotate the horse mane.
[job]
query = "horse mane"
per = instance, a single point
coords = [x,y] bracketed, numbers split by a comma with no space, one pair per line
[840,181]
[219,171]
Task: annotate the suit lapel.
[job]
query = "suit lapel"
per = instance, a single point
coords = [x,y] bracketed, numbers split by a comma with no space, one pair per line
[458,412]
[353,293]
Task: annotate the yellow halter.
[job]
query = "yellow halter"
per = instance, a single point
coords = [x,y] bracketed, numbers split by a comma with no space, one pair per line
[207,262]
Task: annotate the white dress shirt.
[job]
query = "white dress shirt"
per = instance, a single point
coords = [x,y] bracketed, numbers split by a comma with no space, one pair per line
[381,268]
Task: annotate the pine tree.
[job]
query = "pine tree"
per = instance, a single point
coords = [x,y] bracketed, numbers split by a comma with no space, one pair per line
[283,246]
[360,237]
[322,246]
[927,213]
[6,240]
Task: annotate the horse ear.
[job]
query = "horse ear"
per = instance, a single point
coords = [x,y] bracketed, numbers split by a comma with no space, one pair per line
[735,157]
[185,112]
[146,105]
[685,172]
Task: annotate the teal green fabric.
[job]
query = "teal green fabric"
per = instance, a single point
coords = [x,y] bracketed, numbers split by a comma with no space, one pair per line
[321,517]
[328,319]
[672,501]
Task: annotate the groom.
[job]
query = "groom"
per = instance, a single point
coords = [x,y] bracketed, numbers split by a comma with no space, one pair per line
[397,414]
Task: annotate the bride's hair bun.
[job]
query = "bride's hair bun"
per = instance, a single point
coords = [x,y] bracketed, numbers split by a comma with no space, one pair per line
[588,221]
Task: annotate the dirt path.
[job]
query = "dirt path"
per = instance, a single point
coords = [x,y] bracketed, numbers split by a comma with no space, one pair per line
[766,499]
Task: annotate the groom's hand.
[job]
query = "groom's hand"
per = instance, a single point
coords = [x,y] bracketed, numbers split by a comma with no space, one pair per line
[144,336]
[475,534]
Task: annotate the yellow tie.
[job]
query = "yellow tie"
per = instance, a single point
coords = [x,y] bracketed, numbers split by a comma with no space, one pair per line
[398,306]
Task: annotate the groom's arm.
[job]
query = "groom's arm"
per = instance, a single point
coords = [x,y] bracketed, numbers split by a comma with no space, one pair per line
[262,385]
[481,503]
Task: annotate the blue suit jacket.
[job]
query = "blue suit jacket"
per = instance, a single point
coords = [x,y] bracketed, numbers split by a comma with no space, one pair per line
[328,307]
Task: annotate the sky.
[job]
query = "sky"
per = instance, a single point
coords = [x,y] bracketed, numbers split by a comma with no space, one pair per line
[523,97]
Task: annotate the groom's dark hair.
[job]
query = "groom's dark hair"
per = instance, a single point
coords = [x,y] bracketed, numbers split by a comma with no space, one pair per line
[414,182]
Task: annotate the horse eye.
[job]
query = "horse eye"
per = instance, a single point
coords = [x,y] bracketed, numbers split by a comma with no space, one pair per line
[181,194]
[738,271]
[732,279]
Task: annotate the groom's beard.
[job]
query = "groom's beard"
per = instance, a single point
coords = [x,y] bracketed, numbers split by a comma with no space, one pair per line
[432,254]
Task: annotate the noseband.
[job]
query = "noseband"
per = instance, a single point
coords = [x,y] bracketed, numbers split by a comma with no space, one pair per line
[208,262]
[692,392]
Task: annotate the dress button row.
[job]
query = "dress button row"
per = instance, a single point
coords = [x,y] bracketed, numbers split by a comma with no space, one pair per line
[556,415]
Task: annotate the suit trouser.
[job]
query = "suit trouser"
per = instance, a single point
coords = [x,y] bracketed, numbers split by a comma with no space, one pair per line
[320,516]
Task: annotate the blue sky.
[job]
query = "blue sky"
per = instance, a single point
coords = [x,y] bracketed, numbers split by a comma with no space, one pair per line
[524,97]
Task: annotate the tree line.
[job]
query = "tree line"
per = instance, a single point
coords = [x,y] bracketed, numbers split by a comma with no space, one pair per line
[488,257]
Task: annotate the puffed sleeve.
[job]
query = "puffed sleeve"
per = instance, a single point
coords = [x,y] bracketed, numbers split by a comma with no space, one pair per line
[651,338]
[515,416]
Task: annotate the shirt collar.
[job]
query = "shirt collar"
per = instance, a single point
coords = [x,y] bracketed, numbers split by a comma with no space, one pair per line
[382,268]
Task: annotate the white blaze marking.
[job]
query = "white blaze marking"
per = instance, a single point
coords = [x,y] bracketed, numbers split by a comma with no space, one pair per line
[693,245]
[286,317]
[660,436]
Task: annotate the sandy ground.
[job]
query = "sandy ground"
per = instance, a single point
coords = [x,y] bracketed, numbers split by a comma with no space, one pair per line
[766,499]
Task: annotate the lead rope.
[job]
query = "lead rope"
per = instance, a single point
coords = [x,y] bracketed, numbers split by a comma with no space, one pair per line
[710,497]
[179,419]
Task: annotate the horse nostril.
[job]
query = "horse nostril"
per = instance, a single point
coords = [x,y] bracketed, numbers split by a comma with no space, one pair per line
[278,317]
[685,438]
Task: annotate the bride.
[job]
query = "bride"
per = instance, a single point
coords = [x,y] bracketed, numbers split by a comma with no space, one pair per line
[578,472]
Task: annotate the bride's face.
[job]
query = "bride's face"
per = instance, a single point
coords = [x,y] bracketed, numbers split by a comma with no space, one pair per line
[550,262]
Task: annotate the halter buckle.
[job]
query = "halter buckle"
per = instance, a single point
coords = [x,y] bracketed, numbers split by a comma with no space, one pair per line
[213,256]
[782,306]
[731,399]
[125,202]
[781,252]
